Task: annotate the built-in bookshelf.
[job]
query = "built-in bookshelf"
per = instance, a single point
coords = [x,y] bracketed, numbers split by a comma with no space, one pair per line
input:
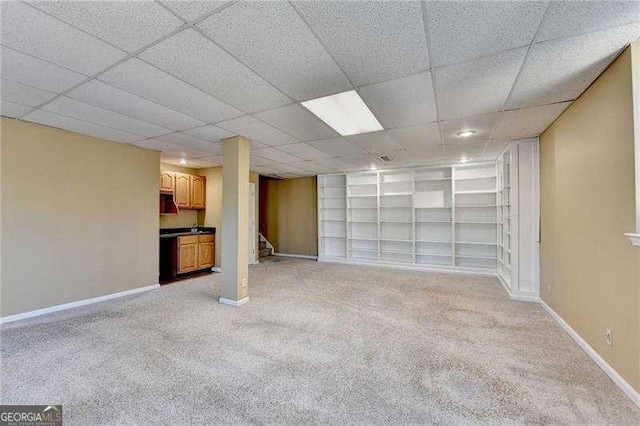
[504,267]
[427,217]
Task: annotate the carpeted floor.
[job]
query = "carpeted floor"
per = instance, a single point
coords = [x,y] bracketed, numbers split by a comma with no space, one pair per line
[317,343]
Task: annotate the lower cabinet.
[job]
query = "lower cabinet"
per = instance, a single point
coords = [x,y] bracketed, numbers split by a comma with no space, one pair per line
[186,253]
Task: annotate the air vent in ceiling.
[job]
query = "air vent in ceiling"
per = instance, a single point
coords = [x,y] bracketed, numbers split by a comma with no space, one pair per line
[385,158]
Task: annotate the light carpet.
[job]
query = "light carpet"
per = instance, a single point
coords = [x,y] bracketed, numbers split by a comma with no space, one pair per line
[317,343]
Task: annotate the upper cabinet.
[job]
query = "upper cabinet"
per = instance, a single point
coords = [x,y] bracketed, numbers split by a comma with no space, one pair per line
[182,194]
[198,192]
[188,190]
[166,181]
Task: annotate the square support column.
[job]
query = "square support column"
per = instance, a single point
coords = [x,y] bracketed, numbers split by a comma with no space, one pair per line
[235,221]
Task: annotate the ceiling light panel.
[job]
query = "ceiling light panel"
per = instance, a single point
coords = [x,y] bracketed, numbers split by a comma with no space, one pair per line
[345,112]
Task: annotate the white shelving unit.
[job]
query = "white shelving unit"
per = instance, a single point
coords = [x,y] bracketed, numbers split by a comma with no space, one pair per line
[430,217]
[504,219]
[332,216]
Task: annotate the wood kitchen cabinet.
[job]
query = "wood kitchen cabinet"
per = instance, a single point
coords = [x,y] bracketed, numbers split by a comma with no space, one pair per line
[166,182]
[182,194]
[198,191]
[206,251]
[187,253]
[189,191]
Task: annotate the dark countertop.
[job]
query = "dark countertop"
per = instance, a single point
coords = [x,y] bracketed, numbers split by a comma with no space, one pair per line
[176,232]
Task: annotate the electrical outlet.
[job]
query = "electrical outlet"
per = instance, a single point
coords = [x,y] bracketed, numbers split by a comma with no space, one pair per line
[608,336]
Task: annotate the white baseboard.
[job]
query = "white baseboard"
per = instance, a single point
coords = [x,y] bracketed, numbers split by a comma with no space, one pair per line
[301,256]
[216,269]
[77,304]
[520,296]
[233,302]
[408,267]
[613,374]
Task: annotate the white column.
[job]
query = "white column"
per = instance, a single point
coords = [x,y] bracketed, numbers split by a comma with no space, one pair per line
[235,221]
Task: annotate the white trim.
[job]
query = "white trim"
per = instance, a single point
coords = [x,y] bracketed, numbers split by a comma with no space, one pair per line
[71,305]
[233,302]
[519,296]
[613,374]
[216,269]
[635,239]
[301,256]
[409,266]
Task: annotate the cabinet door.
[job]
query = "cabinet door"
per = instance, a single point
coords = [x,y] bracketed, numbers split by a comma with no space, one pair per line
[198,191]
[206,255]
[166,182]
[187,254]
[182,190]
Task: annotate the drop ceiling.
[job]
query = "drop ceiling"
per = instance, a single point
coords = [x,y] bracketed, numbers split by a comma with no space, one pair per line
[179,76]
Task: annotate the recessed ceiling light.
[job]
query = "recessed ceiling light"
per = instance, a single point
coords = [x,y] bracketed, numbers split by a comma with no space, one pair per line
[373,167]
[183,161]
[345,112]
[464,160]
[466,133]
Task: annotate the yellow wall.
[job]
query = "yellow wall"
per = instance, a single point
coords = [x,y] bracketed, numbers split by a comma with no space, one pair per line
[291,222]
[212,215]
[587,195]
[79,217]
[185,217]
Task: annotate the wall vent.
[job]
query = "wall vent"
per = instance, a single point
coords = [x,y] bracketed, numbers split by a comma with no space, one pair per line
[385,158]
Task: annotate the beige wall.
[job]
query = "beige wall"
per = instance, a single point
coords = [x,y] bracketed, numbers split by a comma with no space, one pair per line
[291,222]
[79,217]
[185,218]
[212,216]
[587,199]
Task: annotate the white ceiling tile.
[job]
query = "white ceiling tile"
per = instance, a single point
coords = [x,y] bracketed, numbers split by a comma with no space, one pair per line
[258,145]
[264,171]
[170,150]
[34,72]
[523,123]
[196,60]
[101,94]
[330,164]
[272,39]
[192,10]
[182,139]
[79,126]
[92,114]
[358,161]
[336,147]
[287,168]
[470,151]
[209,133]
[12,109]
[252,128]
[304,151]
[477,87]
[309,166]
[22,94]
[495,147]
[560,70]
[277,155]
[205,162]
[257,160]
[568,18]
[151,83]
[427,155]
[297,121]
[402,102]
[375,142]
[372,42]
[461,31]
[416,137]
[129,25]
[481,124]
[36,33]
